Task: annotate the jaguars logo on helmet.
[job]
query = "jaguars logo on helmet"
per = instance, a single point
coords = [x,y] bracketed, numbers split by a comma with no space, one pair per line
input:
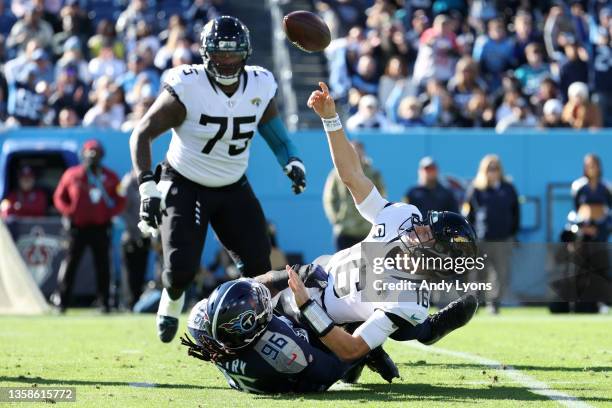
[221,38]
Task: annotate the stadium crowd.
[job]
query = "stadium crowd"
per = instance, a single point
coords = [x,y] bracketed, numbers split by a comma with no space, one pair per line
[482,63]
[90,62]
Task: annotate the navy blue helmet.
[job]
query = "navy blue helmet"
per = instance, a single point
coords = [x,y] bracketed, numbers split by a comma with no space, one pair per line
[236,313]
[225,47]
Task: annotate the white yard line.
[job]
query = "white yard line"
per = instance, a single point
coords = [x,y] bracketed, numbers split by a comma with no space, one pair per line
[533,385]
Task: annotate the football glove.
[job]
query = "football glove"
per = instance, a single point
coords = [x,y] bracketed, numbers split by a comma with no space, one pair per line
[296,171]
[150,205]
[313,276]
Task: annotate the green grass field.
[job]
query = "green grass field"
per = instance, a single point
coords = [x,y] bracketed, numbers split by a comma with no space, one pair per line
[117,361]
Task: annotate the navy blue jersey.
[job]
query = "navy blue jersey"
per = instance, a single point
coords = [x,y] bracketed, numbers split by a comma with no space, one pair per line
[602,68]
[283,361]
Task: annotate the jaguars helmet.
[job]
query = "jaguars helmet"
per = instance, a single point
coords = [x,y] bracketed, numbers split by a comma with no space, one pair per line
[449,235]
[236,313]
[221,39]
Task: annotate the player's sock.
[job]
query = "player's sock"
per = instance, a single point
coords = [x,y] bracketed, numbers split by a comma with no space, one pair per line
[169,307]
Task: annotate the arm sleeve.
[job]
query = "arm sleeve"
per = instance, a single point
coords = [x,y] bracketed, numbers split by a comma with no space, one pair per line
[61,200]
[372,205]
[275,135]
[376,329]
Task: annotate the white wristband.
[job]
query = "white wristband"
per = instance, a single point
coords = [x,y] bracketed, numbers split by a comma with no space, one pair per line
[332,124]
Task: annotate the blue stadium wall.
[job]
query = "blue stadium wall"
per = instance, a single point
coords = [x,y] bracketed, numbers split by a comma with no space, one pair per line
[533,159]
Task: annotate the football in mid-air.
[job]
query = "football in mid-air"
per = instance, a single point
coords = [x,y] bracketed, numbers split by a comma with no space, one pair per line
[307,31]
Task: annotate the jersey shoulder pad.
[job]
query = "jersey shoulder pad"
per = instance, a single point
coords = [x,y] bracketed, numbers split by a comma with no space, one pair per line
[181,78]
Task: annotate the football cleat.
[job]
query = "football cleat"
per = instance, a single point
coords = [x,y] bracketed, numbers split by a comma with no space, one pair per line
[455,315]
[353,374]
[379,361]
[167,327]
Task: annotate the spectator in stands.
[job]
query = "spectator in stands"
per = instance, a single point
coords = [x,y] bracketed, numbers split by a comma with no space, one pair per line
[574,68]
[492,207]
[201,11]
[176,40]
[365,79]
[70,29]
[494,53]
[30,27]
[127,23]
[139,110]
[442,112]
[410,113]
[551,115]
[105,34]
[524,34]
[429,194]
[88,196]
[73,56]
[579,111]
[135,247]
[395,76]
[25,104]
[175,23]
[26,200]
[521,117]
[14,67]
[368,115]
[547,90]
[102,115]
[7,18]
[479,111]
[531,74]
[437,53]
[44,67]
[348,225]
[106,63]
[137,72]
[601,39]
[418,24]
[68,118]
[465,82]
[70,92]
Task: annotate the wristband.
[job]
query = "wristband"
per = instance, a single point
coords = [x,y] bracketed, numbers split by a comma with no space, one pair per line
[145,176]
[332,124]
[318,320]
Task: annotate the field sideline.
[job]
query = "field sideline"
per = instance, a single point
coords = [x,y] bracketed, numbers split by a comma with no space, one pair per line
[118,361]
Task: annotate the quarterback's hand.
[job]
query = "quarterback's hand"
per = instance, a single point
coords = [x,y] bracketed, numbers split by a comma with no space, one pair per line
[296,171]
[150,208]
[322,103]
[297,287]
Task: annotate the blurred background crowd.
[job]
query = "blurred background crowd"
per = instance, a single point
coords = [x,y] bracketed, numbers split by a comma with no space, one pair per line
[92,62]
[479,63]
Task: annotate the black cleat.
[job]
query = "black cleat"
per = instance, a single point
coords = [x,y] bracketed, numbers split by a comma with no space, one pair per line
[455,315]
[167,327]
[353,374]
[379,361]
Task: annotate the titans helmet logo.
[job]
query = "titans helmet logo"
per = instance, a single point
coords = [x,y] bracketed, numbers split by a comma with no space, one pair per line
[243,323]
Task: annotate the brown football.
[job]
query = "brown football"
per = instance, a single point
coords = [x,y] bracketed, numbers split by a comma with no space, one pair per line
[306,30]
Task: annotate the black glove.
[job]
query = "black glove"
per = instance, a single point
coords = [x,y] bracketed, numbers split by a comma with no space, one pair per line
[150,204]
[296,171]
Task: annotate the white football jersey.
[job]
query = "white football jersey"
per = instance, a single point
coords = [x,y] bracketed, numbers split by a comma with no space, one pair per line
[211,147]
[343,296]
